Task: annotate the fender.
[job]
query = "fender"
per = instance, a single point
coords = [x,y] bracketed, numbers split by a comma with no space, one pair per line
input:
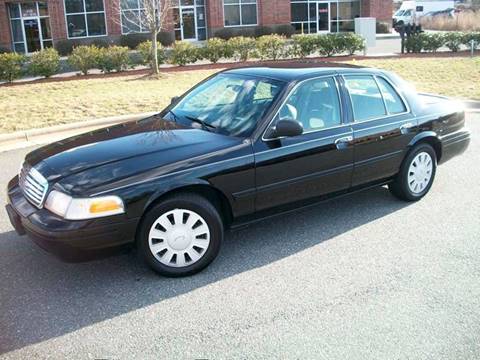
[422,135]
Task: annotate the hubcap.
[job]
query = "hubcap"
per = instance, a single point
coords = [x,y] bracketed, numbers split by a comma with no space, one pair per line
[420,172]
[179,238]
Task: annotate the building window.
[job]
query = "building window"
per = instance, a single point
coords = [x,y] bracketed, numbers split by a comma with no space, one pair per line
[85,18]
[310,16]
[30,26]
[133,16]
[240,12]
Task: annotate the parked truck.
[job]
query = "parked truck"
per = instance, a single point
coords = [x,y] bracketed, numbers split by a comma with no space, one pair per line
[411,11]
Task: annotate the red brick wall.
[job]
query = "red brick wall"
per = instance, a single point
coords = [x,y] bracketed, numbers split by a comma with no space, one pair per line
[5,39]
[112,15]
[57,19]
[379,9]
[274,12]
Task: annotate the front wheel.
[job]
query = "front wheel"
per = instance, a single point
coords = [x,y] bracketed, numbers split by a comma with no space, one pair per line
[416,174]
[181,235]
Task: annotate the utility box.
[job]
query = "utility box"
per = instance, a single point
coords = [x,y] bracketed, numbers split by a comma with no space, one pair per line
[366,27]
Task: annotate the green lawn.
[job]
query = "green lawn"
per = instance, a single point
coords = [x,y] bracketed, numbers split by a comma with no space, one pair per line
[43,104]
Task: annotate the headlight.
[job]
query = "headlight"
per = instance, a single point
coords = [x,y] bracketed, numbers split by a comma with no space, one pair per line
[80,209]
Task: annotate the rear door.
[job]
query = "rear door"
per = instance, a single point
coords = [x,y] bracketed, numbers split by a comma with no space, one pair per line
[318,162]
[383,127]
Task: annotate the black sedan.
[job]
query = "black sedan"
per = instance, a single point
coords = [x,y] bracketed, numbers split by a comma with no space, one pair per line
[240,146]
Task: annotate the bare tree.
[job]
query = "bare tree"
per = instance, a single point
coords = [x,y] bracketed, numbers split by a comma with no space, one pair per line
[152,18]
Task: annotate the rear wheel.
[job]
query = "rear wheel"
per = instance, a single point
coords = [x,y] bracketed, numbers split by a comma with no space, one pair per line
[416,174]
[181,235]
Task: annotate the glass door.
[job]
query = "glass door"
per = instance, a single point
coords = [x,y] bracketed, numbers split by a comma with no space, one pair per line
[32,35]
[189,31]
[323,11]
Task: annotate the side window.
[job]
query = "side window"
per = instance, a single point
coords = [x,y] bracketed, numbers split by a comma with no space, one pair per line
[393,101]
[314,104]
[366,98]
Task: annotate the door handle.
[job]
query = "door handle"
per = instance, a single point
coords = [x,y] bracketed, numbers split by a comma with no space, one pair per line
[406,127]
[343,142]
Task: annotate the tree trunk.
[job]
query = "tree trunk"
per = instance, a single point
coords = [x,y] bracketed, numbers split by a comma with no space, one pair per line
[155,53]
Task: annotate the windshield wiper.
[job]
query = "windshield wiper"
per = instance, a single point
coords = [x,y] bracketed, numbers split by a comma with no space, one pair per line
[205,125]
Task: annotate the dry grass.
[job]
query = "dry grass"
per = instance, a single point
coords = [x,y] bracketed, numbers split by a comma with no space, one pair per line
[464,21]
[454,77]
[44,104]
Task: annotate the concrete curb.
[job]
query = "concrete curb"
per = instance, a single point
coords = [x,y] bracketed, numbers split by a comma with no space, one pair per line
[27,134]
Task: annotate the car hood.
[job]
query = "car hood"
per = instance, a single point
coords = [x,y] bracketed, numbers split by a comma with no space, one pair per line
[116,152]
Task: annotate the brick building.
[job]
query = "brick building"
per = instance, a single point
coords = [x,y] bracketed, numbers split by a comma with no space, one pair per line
[27,26]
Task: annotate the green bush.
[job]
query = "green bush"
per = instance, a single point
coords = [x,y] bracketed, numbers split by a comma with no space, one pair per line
[146,53]
[11,66]
[453,40]
[44,63]
[84,58]
[183,53]
[65,47]
[303,45]
[349,43]
[468,37]
[215,49]
[431,41]
[328,45]
[415,43]
[271,47]
[114,58]
[242,48]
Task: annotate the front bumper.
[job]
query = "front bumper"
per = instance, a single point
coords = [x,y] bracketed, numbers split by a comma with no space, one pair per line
[71,241]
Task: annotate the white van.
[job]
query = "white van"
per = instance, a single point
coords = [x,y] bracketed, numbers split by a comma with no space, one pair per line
[411,11]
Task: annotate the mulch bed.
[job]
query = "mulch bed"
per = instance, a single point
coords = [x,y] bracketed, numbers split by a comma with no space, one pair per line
[316,61]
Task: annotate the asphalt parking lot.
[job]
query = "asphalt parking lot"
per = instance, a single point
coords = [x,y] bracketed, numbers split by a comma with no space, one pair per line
[365,276]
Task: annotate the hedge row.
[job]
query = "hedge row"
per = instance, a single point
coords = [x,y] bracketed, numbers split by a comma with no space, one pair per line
[118,58]
[433,41]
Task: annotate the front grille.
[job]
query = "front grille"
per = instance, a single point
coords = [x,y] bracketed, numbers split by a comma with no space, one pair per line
[33,185]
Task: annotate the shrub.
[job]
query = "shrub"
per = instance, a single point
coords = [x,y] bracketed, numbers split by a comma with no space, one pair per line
[64,47]
[132,41]
[114,58]
[303,45]
[11,66]
[45,63]
[285,30]
[328,44]
[146,53]
[431,41]
[183,53]
[453,40]
[260,31]
[242,47]
[84,58]
[166,38]
[468,37]
[349,42]
[415,42]
[215,49]
[271,47]
[382,28]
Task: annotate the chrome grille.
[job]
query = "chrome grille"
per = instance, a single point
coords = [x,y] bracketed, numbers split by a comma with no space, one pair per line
[33,185]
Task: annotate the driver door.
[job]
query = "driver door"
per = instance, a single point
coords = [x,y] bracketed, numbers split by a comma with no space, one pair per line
[308,166]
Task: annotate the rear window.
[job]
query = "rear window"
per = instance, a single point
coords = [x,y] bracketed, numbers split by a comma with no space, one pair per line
[393,101]
[366,98]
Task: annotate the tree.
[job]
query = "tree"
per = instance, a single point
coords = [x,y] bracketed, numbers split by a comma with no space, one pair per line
[153,18]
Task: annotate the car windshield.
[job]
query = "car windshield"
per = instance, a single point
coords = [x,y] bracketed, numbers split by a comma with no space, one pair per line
[229,104]
[399,12]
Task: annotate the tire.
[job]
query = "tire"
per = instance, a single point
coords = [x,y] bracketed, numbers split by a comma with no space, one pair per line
[187,226]
[411,186]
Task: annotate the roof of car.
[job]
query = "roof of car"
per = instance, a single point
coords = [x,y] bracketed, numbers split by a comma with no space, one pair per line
[297,71]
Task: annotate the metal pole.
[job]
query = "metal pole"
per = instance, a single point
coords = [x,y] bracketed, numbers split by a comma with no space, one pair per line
[472,47]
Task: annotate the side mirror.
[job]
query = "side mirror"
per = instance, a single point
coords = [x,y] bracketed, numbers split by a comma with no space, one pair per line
[286,127]
[174,99]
